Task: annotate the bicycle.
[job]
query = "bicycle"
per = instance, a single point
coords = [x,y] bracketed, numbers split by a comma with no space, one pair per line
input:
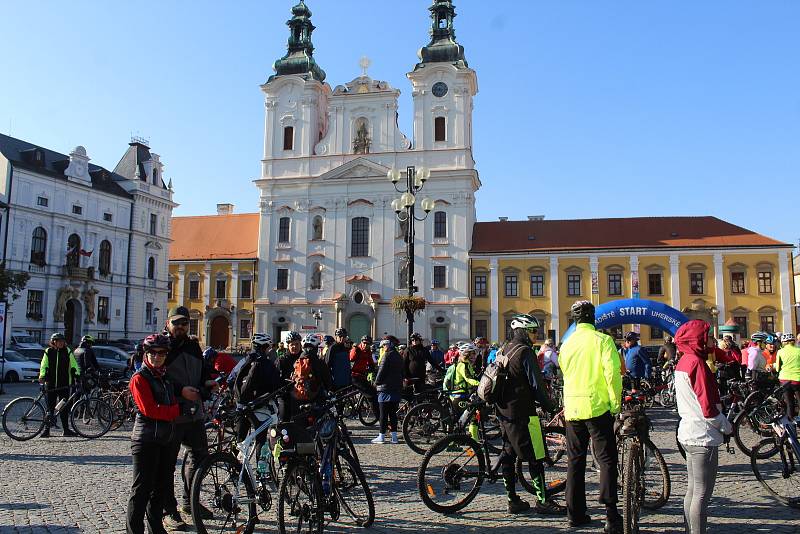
[779,472]
[454,468]
[25,418]
[754,422]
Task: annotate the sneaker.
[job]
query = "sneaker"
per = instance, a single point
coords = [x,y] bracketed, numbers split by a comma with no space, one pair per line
[174,522]
[394,438]
[205,513]
[518,506]
[378,440]
[550,508]
[614,525]
[68,433]
[580,521]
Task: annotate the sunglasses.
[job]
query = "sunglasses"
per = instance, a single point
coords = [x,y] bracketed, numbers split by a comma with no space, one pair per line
[158,353]
[180,322]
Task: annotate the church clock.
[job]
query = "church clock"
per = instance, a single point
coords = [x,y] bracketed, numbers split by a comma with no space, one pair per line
[439,89]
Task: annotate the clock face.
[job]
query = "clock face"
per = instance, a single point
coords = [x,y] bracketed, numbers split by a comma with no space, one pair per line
[439,89]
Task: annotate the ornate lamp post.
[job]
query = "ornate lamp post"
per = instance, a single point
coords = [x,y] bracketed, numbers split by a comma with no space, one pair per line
[404,211]
[317,315]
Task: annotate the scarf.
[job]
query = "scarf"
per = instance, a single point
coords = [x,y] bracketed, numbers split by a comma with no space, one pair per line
[157,372]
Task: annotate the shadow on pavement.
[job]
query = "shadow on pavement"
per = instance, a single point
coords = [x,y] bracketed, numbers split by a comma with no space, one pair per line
[80,460]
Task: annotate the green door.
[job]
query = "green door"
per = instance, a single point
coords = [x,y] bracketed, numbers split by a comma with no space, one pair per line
[442,335]
[358,326]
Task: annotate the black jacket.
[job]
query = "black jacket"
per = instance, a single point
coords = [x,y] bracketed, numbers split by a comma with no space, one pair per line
[58,367]
[286,364]
[524,388]
[258,377]
[415,360]
[389,378]
[86,358]
[186,367]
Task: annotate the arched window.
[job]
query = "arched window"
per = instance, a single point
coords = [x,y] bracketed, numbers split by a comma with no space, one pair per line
[440,225]
[105,258]
[316,276]
[359,242]
[439,129]
[38,246]
[283,230]
[151,268]
[316,228]
[73,250]
[155,176]
[288,138]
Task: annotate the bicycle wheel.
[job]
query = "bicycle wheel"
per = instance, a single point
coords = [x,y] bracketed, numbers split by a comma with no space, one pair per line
[555,463]
[23,418]
[656,484]
[451,473]
[424,425]
[91,418]
[754,423]
[778,472]
[118,406]
[300,501]
[632,488]
[216,488]
[352,491]
[366,414]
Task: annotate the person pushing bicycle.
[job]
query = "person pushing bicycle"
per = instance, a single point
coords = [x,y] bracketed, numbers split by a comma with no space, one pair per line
[58,371]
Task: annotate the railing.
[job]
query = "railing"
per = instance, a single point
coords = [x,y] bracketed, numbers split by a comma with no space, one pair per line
[78,273]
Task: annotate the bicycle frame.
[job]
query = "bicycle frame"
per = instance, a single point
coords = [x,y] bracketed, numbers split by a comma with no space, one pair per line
[247,448]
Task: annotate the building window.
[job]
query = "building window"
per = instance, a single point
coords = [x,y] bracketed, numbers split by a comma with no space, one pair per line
[151,268]
[148,313]
[38,246]
[654,284]
[153,223]
[77,210]
[511,285]
[221,289]
[768,323]
[104,263]
[170,289]
[440,225]
[537,285]
[194,289]
[73,250]
[283,230]
[765,281]
[316,276]
[439,276]
[656,333]
[283,279]
[102,336]
[316,228]
[737,282]
[288,138]
[247,289]
[616,332]
[359,245]
[34,308]
[696,283]
[440,129]
[155,176]
[614,284]
[741,322]
[573,285]
[102,309]
[42,201]
[193,327]
[244,329]
[481,328]
[108,217]
[479,283]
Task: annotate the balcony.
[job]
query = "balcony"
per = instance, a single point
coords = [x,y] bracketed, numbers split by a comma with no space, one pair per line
[78,273]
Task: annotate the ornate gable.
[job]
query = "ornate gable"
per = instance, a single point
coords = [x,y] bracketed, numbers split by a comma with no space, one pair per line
[359,168]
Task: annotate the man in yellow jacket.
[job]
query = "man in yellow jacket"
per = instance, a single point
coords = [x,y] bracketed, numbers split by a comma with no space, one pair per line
[592,397]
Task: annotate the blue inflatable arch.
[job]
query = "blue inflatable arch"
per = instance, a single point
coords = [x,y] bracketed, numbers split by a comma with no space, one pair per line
[635,311]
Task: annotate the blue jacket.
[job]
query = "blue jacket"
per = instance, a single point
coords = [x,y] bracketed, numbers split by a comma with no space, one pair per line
[637,362]
[338,360]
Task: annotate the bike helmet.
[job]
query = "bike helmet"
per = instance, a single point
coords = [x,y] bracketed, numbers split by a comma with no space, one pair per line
[210,354]
[434,342]
[260,340]
[293,336]
[401,347]
[416,336]
[481,341]
[384,343]
[770,339]
[467,348]
[328,340]
[58,336]
[156,341]
[366,339]
[582,311]
[340,332]
[311,340]
[788,337]
[523,320]
[759,337]
[631,337]
[87,339]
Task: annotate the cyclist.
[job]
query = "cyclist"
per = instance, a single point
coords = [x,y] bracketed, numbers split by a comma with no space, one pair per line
[294,346]
[151,443]
[667,352]
[389,383]
[280,351]
[492,353]
[436,354]
[479,360]
[787,364]
[415,359]
[362,367]
[756,362]
[637,362]
[337,357]
[702,424]
[464,379]
[548,359]
[257,377]
[451,355]
[310,376]
[220,362]
[522,436]
[770,351]
[592,397]
[135,362]
[87,361]
[58,370]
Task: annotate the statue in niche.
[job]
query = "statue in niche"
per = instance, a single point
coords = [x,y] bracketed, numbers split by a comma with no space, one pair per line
[362,142]
[88,301]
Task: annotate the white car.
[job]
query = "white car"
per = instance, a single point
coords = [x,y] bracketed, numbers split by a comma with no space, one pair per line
[18,367]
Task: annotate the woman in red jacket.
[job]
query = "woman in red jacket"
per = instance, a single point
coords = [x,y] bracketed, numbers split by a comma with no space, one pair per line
[151,440]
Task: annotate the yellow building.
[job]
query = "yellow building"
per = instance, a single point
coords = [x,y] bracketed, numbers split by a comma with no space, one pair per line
[703,266]
[213,269]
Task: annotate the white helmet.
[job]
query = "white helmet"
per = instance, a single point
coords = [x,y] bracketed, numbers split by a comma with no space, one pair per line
[523,320]
[788,337]
[467,348]
[259,340]
[312,340]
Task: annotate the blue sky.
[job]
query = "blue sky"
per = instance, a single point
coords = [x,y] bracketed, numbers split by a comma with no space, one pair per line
[586,108]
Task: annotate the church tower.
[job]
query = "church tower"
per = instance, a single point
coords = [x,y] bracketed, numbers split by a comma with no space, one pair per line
[443,87]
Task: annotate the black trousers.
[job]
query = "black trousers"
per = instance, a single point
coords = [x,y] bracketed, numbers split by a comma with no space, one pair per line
[153,468]
[193,436]
[388,412]
[601,431]
[52,399]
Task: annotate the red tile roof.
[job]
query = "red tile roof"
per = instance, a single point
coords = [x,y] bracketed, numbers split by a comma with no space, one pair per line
[623,233]
[215,237]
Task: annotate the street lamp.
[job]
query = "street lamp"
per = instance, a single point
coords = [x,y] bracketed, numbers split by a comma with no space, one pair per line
[404,211]
[317,315]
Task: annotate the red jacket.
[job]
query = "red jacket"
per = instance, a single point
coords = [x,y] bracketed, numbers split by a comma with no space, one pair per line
[145,401]
[361,360]
[224,363]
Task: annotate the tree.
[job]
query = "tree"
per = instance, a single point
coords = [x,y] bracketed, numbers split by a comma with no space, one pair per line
[12,283]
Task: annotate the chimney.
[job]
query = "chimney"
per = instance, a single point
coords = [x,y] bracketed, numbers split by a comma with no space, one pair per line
[535,217]
[224,209]
[503,219]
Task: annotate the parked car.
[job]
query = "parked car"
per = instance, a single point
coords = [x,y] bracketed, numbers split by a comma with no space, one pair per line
[34,355]
[128,345]
[109,357]
[22,340]
[18,367]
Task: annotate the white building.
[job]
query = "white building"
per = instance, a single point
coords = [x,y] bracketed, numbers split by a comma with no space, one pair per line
[329,238]
[95,242]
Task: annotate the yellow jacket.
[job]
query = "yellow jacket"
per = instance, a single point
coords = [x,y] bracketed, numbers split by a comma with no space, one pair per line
[592,381]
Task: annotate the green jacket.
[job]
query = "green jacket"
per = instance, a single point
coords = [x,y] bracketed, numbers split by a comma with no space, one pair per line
[58,367]
[592,381]
[787,363]
[465,377]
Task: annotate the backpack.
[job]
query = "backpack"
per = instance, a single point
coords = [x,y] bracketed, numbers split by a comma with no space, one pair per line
[494,378]
[238,374]
[449,383]
[306,385]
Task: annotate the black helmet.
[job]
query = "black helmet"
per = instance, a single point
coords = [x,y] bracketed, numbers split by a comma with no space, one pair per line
[582,312]
[57,336]
[632,337]
[340,332]
[417,336]
[366,339]
[293,336]
[156,341]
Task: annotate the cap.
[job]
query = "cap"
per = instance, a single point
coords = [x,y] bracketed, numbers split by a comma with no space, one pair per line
[178,311]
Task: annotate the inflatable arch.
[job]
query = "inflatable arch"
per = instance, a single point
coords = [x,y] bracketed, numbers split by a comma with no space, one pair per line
[635,311]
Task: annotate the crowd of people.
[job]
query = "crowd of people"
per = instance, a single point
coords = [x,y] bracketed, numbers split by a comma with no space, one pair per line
[174,376]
